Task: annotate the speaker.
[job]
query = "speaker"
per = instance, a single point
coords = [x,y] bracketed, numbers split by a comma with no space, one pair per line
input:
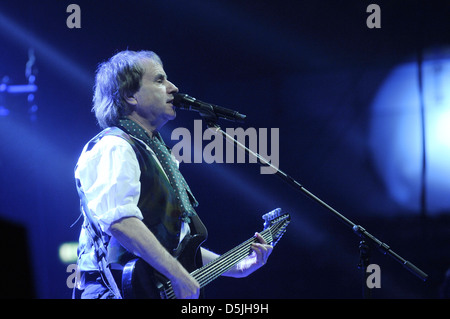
[15,262]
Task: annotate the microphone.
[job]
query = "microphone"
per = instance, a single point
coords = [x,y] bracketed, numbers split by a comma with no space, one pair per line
[187,102]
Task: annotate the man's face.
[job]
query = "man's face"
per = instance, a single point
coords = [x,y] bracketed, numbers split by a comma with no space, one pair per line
[155,96]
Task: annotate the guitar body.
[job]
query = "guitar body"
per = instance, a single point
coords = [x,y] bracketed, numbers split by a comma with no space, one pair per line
[141,281]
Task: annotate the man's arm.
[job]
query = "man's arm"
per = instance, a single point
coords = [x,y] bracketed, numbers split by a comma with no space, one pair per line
[257,259]
[132,233]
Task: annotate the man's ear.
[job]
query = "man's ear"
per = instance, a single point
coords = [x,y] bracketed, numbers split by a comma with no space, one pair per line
[131,100]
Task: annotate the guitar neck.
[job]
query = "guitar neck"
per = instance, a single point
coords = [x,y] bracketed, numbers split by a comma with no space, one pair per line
[225,262]
[204,275]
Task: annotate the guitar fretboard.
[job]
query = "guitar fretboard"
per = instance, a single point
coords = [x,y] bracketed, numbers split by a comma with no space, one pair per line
[209,272]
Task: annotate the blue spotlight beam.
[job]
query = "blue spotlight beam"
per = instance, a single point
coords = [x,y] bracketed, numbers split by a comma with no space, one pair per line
[357,229]
[18,33]
[423,182]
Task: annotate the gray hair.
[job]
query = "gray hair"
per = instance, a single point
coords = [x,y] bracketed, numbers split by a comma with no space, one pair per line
[116,79]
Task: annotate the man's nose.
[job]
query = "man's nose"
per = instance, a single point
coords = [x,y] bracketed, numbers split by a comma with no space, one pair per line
[172,88]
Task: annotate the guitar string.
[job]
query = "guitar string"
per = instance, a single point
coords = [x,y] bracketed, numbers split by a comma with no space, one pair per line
[231,253]
[242,254]
[217,265]
[239,253]
[207,277]
[223,265]
[215,268]
[236,254]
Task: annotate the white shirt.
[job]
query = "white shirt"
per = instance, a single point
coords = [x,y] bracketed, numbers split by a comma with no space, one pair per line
[109,174]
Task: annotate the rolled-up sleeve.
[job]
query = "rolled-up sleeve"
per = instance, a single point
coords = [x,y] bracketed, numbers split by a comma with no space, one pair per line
[109,175]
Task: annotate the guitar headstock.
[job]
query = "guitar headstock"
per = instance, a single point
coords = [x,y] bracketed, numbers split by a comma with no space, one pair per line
[276,222]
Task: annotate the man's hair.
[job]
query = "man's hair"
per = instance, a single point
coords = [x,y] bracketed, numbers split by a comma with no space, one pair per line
[116,79]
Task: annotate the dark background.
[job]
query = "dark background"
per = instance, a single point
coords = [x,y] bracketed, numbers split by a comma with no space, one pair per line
[309,68]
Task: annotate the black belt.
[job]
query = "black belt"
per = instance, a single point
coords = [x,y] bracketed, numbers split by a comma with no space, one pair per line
[91,277]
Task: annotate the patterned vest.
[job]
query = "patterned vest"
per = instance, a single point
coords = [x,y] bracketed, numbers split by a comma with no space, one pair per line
[158,201]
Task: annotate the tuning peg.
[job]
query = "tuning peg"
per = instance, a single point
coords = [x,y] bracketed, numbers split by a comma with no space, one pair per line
[272,214]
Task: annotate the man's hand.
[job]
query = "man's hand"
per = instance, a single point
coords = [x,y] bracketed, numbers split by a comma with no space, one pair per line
[262,251]
[185,286]
[257,259]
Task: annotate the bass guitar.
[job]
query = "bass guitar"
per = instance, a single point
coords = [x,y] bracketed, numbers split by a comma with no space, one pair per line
[141,281]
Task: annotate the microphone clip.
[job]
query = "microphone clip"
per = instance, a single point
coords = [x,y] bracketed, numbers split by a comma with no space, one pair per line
[209,112]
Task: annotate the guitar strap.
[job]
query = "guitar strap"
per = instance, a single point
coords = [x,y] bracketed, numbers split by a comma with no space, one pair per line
[100,241]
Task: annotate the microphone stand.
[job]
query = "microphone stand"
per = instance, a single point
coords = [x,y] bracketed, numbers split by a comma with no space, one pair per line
[367,240]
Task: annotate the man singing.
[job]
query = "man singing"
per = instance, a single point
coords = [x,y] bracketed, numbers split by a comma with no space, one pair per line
[134,200]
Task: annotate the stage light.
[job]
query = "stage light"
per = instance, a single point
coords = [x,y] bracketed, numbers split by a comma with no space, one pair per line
[396,133]
[67,252]
[3,111]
